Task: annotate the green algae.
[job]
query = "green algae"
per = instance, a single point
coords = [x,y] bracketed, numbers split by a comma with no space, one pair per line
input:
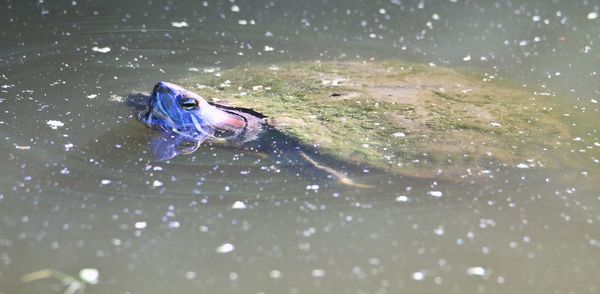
[391,115]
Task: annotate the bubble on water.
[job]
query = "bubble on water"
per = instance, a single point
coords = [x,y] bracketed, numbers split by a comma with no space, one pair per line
[418,276]
[467,58]
[105,182]
[435,16]
[592,15]
[235,8]
[476,271]
[495,125]
[92,96]
[399,135]
[101,49]
[179,24]
[242,22]
[435,193]
[157,183]
[269,48]
[439,230]
[55,124]
[382,10]
[522,165]
[225,248]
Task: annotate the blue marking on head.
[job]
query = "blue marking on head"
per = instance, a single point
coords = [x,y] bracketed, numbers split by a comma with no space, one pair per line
[170,107]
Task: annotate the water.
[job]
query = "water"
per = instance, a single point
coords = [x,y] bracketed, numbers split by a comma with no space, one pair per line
[79,188]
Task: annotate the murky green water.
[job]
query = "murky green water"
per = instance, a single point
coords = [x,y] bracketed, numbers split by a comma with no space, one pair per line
[79,189]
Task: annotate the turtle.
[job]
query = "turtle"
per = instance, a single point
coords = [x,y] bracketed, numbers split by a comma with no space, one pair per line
[418,120]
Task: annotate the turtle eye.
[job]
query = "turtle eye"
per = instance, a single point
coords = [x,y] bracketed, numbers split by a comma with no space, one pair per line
[188,104]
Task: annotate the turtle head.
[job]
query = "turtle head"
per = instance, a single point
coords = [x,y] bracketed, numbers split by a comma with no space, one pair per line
[171,107]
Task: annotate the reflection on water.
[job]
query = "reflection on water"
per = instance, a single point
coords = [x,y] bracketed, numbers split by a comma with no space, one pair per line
[79,187]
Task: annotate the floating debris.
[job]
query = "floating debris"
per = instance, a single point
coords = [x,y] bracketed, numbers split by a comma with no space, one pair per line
[140,225]
[55,124]
[592,15]
[179,24]
[476,271]
[402,198]
[238,205]
[225,248]
[418,276]
[435,193]
[101,49]
[318,273]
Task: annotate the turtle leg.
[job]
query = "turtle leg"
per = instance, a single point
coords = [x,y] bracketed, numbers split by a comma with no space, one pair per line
[341,178]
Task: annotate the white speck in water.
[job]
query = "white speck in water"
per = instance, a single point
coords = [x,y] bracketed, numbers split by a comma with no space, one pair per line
[495,125]
[402,198]
[597,144]
[55,124]
[435,16]
[194,69]
[275,274]
[476,271]
[242,22]
[268,48]
[594,101]
[592,15]
[381,10]
[312,187]
[157,183]
[174,224]
[439,230]
[140,225]
[235,8]
[225,248]
[522,165]
[467,58]
[536,18]
[68,146]
[577,139]
[89,275]
[105,182]
[92,96]
[190,275]
[25,147]
[238,205]
[418,276]
[116,98]
[101,49]
[318,273]
[435,193]
[399,135]
[179,24]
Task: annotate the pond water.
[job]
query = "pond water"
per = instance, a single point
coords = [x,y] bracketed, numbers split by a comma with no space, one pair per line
[80,189]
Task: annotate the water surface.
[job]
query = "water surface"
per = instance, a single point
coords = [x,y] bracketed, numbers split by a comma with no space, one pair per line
[80,189]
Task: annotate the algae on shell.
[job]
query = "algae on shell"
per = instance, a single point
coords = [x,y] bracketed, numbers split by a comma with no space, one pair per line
[391,115]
